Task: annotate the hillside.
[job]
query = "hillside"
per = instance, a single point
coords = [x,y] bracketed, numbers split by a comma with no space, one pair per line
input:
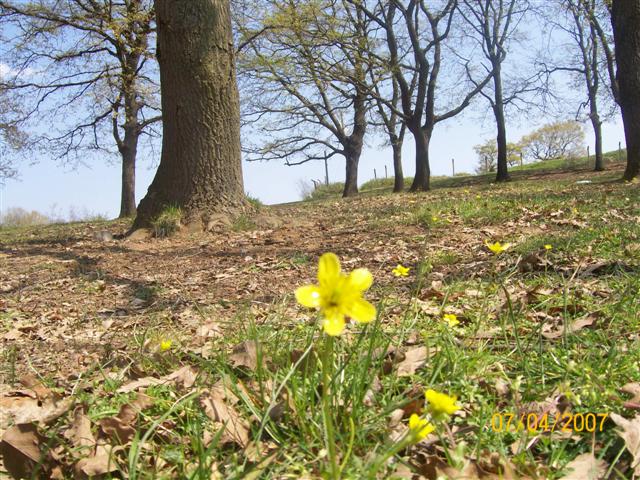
[145,349]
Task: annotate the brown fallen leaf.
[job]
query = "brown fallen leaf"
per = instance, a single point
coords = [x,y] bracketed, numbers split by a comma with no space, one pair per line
[217,408]
[585,467]
[414,358]
[247,354]
[121,428]
[184,378]
[20,449]
[573,327]
[631,435]
[632,389]
[101,463]
[26,407]
[80,433]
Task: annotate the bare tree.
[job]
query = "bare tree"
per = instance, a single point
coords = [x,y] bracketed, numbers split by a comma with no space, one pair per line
[425,29]
[495,23]
[304,71]
[83,71]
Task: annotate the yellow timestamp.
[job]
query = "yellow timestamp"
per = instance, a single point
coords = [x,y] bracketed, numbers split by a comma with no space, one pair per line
[545,422]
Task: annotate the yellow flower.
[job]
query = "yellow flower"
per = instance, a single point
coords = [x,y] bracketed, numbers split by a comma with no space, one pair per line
[401,271]
[548,247]
[440,404]
[434,219]
[419,427]
[165,345]
[338,295]
[451,319]
[497,247]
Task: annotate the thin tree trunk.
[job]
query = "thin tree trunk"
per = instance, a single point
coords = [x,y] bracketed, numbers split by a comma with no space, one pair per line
[502,174]
[351,178]
[597,133]
[128,195]
[398,175]
[200,169]
[625,18]
[421,182]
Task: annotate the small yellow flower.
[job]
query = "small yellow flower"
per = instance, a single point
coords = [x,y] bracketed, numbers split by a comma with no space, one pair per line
[451,319]
[497,247]
[548,247]
[165,345]
[401,271]
[441,405]
[419,427]
[434,219]
[338,295]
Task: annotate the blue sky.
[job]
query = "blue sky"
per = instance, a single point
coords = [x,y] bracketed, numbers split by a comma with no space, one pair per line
[48,186]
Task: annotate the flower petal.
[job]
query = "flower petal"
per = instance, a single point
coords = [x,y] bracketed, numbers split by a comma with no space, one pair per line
[361,311]
[309,296]
[334,325]
[360,279]
[328,269]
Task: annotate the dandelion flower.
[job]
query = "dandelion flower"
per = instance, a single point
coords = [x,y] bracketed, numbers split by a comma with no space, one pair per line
[401,271]
[548,247]
[497,247]
[451,319]
[419,427]
[165,345]
[441,405]
[338,295]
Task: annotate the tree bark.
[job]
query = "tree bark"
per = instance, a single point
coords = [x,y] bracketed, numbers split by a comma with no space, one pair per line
[597,132]
[498,111]
[421,182]
[351,178]
[625,18]
[200,169]
[128,149]
[398,175]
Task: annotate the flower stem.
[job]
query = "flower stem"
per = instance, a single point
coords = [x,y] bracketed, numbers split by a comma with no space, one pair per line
[327,392]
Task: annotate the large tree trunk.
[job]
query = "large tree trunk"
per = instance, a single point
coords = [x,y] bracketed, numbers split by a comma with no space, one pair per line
[200,169]
[625,18]
[398,175]
[498,111]
[421,182]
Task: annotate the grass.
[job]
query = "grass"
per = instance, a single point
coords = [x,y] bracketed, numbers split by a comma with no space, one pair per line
[502,359]
[167,222]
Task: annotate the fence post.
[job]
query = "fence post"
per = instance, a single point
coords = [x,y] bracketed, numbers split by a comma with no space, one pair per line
[619,152]
[385,172]
[453,167]
[374,174]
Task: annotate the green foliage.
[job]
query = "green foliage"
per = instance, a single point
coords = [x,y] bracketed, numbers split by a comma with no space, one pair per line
[168,222]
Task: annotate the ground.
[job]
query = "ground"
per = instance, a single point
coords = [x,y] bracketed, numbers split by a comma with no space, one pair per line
[546,330]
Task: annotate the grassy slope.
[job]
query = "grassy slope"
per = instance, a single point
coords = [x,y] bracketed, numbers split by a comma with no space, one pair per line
[498,360]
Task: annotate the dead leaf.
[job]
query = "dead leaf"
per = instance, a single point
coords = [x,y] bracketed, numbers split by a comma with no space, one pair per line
[20,449]
[218,409]
[414,358]
[101,463]
[631,435]
[632,389]
[184,378]
[80,433]
[573,327]
[247,354]
[585,467]
[122,427]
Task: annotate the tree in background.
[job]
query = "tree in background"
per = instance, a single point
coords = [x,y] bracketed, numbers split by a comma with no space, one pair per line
[200,170]
[304,71]
[11,137]
[581,52]
[495,23]
[82,71]
[554,140]
[418,32]
[625,18]
[487,153]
